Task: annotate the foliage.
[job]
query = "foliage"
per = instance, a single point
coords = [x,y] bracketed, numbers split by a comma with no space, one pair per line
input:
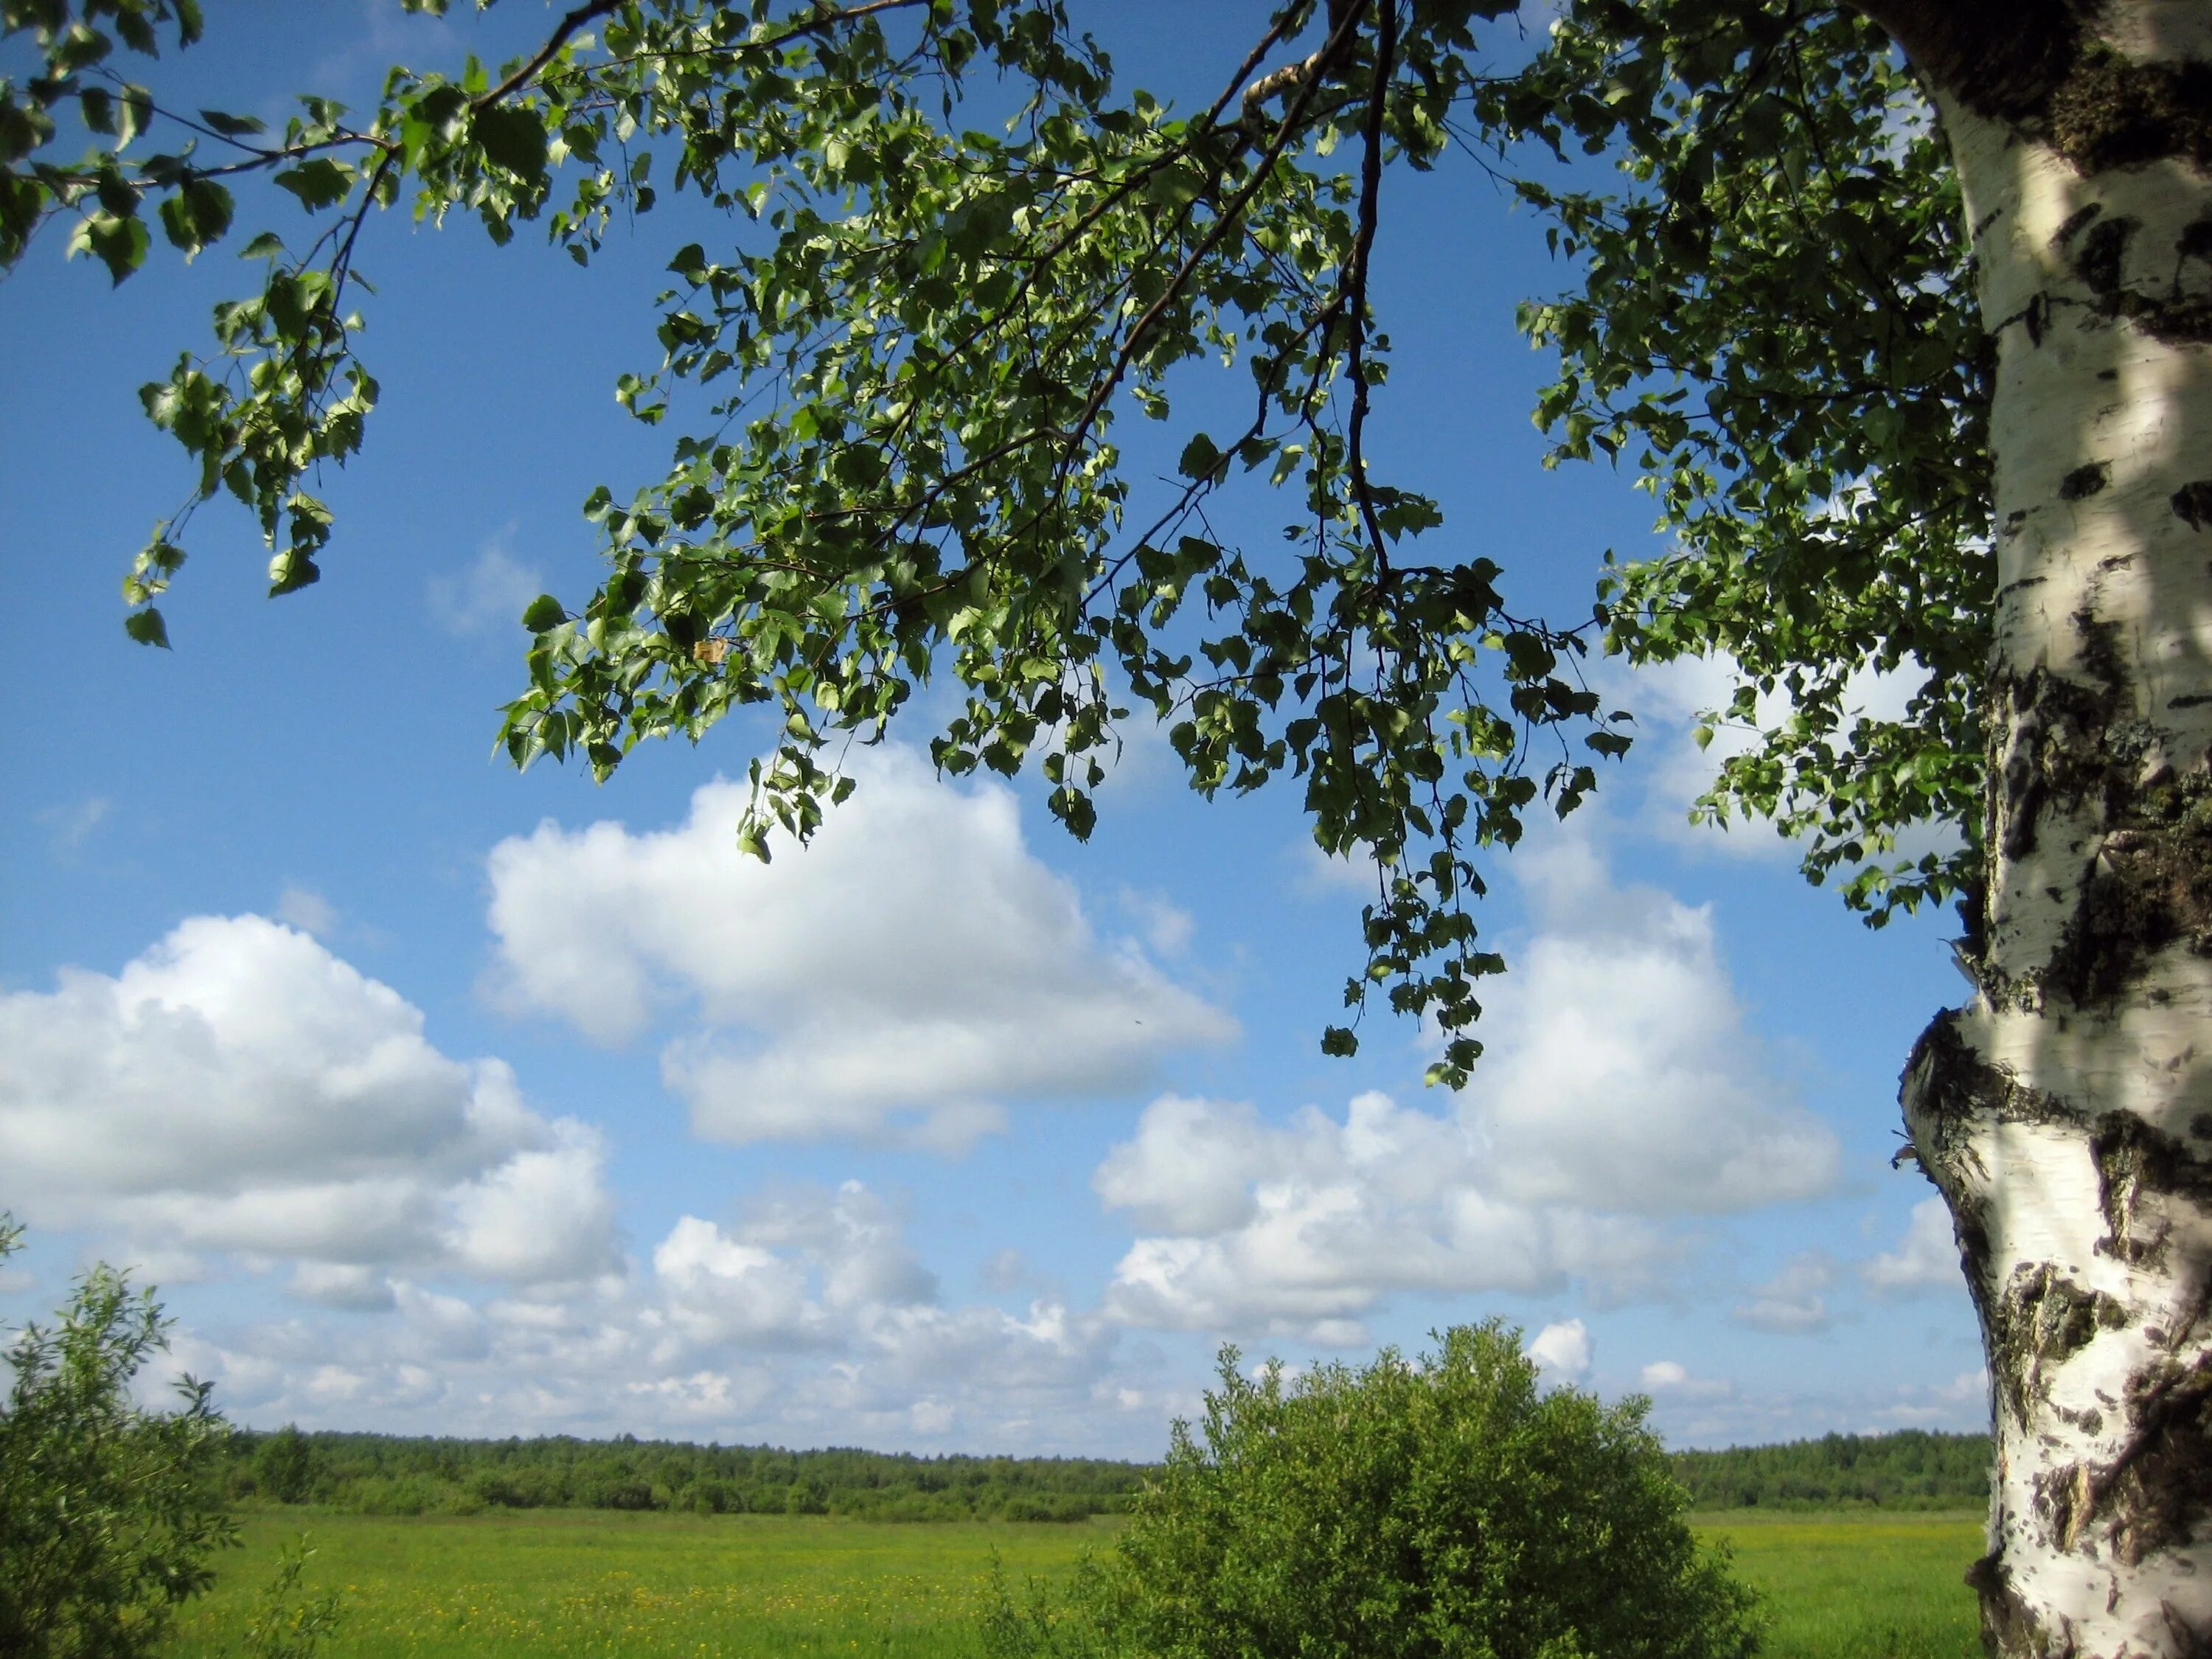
[1443,1506]
[287,1623]
[1910,1470]
[109,1514]
[1777,328]
[898,407]
[387,1475]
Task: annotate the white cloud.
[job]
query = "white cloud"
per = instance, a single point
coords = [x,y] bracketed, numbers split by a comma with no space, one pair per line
[1670,1380]
[1564,1350]
[1304,1228]
[1167,927]
[490,593]
[238,1088]
[340,1285]
[1620,1075]
[304,908]
[806,1320]
[69,827]
[1926,1257]
[1962,1402]
[1619,1090]
[1795,1301]
[903,978]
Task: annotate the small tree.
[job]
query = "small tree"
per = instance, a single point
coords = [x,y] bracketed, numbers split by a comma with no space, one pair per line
[108,1513]
[1410,1509]
[284,1466]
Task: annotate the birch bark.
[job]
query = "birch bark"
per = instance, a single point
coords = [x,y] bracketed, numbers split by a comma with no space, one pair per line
[2066,1110]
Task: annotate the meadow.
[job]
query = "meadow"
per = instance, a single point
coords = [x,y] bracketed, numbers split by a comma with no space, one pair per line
[649,1585]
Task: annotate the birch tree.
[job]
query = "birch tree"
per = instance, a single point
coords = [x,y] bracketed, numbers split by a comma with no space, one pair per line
[1900,310]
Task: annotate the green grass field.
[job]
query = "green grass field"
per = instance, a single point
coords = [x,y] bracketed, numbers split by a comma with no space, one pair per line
[1859,1586]
[578,1583]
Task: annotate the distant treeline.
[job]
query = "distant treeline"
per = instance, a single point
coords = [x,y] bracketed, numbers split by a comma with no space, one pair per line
[1909,1470]
[388,1474]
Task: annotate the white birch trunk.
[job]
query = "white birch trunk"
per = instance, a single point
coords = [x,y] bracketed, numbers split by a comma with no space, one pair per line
[2066,1112]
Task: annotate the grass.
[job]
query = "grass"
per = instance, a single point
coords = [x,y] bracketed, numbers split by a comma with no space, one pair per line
[575,1582]
[1858,1585]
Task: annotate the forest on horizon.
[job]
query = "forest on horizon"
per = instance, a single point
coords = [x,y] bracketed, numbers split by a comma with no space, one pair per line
[1910,1470]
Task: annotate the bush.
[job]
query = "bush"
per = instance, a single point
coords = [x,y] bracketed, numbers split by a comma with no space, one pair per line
[1440,1509]
[108,1513]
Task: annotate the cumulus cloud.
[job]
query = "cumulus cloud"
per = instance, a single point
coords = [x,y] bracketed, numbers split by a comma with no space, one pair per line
[1620,1091]
[1795,1301]
[902,979]
[807,1318]
[1302,1228]
[1563,1350]
[1619,1074]
[238,1088]
[1927,1257]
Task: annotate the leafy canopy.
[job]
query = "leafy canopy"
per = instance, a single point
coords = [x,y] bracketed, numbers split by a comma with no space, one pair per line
[1407,1509]
[948,254]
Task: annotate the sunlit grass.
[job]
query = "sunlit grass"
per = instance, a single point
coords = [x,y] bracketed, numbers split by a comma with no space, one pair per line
[1859,1586]
[576,1582]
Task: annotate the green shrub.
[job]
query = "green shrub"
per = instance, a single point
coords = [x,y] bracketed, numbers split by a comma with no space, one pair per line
[287,1623]
[108,1513]
[1446,1508]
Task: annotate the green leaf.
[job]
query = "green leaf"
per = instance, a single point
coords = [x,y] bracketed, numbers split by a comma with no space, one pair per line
[119,244]
[513,137]
[544,613]
[147,628]
[1201,458]
[319,184]
[233,126]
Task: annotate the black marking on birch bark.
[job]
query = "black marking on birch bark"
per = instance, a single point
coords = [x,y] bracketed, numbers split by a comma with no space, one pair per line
[2010,1628]
[1954,1086]
[2192,503]
[2042,1319]
[2173,317]
[2075,222]
[2084,482]
[1972,910]
[2051,746]
[2149,887]
[2160,1485]
[2141,1171]
[2103,259]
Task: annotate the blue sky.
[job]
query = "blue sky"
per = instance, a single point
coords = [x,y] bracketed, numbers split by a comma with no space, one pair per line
[441,1098]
